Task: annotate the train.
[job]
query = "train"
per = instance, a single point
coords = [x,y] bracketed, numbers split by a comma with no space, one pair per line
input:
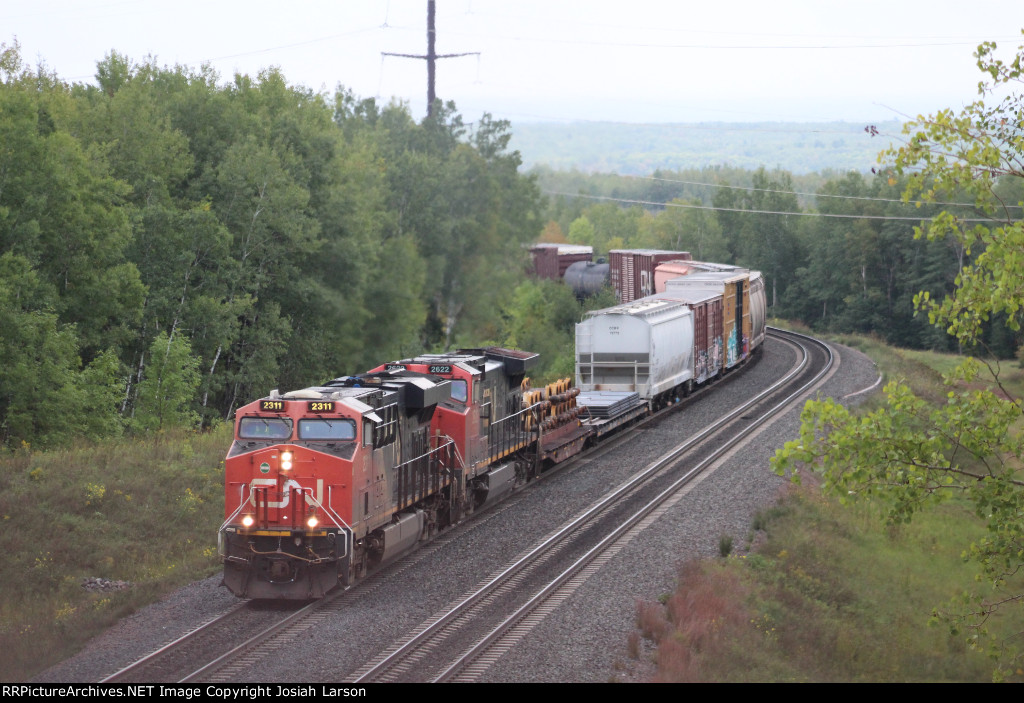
[324,484]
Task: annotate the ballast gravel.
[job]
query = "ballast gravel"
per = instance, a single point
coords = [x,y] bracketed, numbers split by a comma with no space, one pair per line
[586,638]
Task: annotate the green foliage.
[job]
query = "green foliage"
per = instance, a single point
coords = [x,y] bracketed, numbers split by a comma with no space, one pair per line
[685,228]
[830,594]
[45,397]
[541,316]
[914,452]
[283,236]
[97,511]
[167,391]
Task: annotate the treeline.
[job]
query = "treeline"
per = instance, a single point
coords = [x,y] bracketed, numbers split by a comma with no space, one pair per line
[641,149]
[842,257]
[172,247]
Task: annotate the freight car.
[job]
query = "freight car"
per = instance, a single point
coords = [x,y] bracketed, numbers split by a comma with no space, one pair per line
[552,260]
[734,287]
[661,346]
[586,278]
[325,483]
[632,270]
[644,347]
[672,270]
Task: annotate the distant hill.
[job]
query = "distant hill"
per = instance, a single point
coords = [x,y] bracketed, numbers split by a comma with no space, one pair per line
[641,149]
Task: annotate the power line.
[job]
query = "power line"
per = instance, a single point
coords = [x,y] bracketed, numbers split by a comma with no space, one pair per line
[687,206]
[916,203]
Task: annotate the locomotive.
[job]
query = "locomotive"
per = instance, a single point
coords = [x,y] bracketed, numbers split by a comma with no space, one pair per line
[325,483]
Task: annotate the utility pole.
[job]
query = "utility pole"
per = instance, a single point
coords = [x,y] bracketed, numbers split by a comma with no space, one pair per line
[431,57]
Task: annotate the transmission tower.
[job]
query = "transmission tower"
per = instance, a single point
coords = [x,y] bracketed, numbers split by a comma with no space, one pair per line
[431,57]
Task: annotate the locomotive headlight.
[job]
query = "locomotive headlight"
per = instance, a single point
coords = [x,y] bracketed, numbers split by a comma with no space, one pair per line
[312,521]
[286,461]
[247,520]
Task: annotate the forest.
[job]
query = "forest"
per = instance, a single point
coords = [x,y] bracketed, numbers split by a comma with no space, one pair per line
[640,149]
[839,252]
[174,245]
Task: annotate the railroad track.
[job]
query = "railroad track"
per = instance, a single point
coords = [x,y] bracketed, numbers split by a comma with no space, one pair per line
[503,609]
[498,612]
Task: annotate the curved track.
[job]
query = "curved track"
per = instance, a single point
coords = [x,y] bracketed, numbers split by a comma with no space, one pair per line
[504,608]
[489,620]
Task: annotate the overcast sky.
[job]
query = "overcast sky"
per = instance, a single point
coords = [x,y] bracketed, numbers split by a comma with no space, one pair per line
[637,61]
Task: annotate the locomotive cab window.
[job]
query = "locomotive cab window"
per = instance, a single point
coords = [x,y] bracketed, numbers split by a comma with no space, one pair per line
[459,390]
[265,428]
[327,428]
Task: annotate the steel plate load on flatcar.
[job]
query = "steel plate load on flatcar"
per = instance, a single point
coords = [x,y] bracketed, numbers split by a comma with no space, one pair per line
[325,483]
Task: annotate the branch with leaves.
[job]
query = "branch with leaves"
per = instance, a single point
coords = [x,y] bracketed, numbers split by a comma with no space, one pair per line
[911,453]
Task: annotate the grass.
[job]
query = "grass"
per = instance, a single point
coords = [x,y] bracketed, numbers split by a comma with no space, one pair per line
[831,593]
[145,511]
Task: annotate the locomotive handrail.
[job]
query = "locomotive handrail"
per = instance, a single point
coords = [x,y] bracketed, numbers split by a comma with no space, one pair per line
[507,434]
[338,521]
[232,516]
[427,472]
[450,442]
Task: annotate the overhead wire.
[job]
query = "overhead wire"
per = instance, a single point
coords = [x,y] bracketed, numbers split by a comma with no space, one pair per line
[916,203]
[690,206]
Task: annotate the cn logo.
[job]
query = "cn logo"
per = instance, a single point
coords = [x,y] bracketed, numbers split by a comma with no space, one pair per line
[286,492]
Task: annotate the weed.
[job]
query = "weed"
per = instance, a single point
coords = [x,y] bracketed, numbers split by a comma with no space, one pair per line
[98,511]
[650,620]
[828,597]
[725,545]
[94,493]
[633,645]
[764,517]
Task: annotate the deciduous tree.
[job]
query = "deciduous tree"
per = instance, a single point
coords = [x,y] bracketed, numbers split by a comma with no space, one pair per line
[914,453]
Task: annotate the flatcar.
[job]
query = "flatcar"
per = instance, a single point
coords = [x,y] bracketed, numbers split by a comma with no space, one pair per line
[325,483]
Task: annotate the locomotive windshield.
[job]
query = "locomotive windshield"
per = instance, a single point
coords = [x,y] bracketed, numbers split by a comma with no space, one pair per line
[265,428]
[324,428]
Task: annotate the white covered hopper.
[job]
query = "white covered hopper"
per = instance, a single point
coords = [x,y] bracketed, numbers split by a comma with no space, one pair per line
[645,346]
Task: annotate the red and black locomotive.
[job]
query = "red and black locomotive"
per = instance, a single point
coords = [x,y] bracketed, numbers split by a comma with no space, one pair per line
[324,483]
